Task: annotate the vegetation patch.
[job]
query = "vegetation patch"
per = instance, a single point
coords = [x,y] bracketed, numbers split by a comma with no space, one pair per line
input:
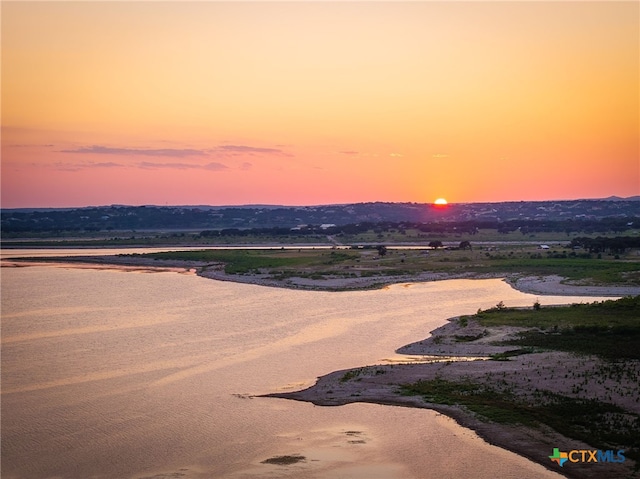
[369,263]
[466,338]
[607,342]
[609,329]
[506,355]
[356,373]
[600,424]
[252,261]
[351,374]
[488,402]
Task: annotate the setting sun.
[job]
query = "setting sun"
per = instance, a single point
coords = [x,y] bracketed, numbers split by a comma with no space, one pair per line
[440,201]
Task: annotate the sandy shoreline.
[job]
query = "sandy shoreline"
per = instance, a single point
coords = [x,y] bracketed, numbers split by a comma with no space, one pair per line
[541,285]
[554,371]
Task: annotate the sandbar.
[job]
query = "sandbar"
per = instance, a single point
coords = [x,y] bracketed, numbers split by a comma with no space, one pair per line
[552,371]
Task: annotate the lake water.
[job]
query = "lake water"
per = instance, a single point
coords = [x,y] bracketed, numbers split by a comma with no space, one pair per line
[110,373]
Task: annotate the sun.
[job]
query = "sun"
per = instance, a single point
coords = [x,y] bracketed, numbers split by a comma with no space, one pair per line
[440,202]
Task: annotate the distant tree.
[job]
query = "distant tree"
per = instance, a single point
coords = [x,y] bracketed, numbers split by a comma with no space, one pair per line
[436,244]
[382,250]
[465,245]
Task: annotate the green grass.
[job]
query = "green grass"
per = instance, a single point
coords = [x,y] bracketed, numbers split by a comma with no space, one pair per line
[491,404]
[248,261]
[610,343]
[576,268]
[351,374]
[367,263]
[609,329]
[597,423]
[622,312]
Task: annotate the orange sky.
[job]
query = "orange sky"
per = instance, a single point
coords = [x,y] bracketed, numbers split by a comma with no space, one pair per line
[318,102]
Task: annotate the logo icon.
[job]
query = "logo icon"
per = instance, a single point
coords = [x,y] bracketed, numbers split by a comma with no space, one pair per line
[587,455]
[559,457]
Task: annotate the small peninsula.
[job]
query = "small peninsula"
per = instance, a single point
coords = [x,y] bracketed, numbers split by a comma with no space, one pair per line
[544,377]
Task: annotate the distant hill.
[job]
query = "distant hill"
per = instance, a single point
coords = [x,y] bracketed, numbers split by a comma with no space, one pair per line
[617,198]
[194,218]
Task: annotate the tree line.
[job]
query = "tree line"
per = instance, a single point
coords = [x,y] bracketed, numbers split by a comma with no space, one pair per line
[617,245]
[469,227]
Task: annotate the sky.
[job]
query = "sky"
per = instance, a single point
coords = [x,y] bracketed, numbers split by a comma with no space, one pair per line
[308,103]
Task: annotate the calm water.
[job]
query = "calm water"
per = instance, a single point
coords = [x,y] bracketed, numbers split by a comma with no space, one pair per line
[131,374]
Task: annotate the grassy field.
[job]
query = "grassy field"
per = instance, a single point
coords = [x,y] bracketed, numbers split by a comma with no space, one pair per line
[250,261]
[193,238]
[624,312]
[610,329]
[483,235]
[507,259]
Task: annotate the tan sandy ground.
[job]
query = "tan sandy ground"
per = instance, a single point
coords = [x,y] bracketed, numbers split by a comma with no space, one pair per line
[555,372]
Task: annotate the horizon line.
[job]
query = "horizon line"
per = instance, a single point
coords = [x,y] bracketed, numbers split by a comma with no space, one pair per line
[269,205]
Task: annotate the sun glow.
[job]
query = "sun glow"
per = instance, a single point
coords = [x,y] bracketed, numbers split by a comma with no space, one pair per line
[92,118]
